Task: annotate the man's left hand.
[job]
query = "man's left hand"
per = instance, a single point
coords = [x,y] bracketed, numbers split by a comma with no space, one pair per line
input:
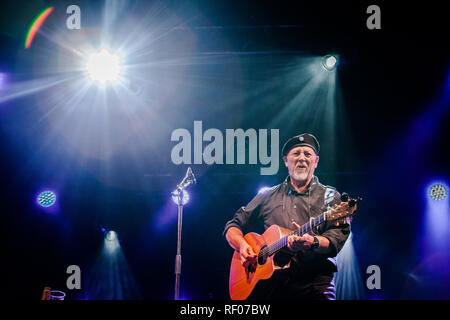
[297,243]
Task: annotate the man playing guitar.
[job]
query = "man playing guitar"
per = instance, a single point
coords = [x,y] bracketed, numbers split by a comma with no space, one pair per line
[305,267]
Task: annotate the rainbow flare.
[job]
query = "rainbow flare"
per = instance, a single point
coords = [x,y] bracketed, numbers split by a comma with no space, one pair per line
[37,23]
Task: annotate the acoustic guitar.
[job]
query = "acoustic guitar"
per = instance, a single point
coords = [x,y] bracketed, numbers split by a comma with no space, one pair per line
[243,279]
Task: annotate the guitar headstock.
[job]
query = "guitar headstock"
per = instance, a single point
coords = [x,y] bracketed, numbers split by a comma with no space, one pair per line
[343,210]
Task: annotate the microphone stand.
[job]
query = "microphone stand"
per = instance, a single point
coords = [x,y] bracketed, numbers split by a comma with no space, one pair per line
[188,179]
[178,256]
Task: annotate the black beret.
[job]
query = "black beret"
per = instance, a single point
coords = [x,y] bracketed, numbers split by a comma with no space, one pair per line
[304,139]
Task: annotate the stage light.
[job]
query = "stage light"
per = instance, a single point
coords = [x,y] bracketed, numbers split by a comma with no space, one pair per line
[111,236]
[2,80]
[329,62]
[111,242]
[175,196]
[46,198]
[436,224]
[349,284]
[110,277]
[103,67]
[438,192]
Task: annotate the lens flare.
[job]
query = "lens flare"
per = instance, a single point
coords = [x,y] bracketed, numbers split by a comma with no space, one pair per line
[37,23]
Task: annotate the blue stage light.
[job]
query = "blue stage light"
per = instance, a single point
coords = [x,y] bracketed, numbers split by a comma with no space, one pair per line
[329,62]
[111,242]
[2,80]
[46,198]
[111,278]
[111,236]
[436,224]
[438,192]
[175,196]
[349,284]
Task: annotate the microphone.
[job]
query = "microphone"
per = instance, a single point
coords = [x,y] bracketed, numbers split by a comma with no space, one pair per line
[188,179]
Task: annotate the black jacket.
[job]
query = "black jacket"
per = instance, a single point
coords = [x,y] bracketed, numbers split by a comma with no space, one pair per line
[281,204]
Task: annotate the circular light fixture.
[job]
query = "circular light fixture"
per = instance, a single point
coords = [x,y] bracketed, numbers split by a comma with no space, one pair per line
[329,62]
[438,192]
[46,198]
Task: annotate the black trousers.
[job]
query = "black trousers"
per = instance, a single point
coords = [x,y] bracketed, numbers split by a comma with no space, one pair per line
[293,284]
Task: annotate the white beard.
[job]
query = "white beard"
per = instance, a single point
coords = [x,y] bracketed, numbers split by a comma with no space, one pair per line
[300,175]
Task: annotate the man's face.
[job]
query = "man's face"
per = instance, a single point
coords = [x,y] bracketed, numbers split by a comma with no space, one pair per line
[301,163]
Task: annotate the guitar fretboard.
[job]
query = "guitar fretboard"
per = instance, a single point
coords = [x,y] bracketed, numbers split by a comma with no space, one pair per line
[310,225]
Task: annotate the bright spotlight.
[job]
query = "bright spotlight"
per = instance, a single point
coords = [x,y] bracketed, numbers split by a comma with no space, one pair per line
[111,236]
[103,67]
[438,192]
[175,196]
[329,62]
[111,242]
[436,222]
[46,198]
[349,284]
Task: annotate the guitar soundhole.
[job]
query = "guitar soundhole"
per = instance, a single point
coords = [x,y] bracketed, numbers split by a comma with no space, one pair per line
[262,256]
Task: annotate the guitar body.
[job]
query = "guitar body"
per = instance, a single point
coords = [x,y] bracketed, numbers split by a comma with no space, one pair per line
[242,282]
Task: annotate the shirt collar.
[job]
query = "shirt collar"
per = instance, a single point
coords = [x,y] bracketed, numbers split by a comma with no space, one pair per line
[291,189]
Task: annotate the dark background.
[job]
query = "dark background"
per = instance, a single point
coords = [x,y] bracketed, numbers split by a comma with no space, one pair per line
[390,141]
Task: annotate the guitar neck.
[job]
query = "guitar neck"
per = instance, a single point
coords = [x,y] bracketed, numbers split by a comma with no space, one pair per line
[310,225]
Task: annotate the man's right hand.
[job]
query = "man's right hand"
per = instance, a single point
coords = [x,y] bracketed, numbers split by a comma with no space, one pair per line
[237,242]
[248,256]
